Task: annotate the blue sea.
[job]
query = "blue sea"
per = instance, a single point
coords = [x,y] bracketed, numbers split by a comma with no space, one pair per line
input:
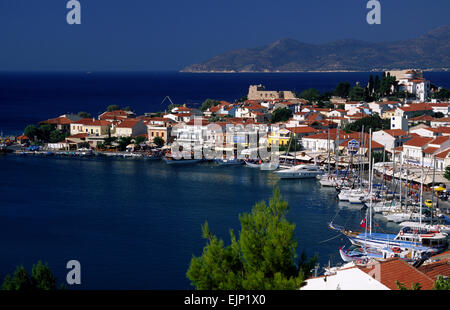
[135,224]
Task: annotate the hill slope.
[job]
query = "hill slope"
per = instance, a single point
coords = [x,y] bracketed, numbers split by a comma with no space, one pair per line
[429,51]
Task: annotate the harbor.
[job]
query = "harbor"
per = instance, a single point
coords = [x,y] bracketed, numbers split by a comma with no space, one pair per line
[138,188]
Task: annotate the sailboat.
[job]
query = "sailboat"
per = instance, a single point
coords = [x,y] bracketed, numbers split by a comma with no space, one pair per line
[328,179]
[412,242]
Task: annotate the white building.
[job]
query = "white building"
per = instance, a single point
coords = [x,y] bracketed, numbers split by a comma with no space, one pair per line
[391,138]
[130,128]
[351,278]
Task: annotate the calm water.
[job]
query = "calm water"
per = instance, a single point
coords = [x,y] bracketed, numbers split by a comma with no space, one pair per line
[135,224]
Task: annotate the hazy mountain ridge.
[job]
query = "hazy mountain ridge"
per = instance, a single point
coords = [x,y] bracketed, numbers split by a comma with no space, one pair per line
[428,51]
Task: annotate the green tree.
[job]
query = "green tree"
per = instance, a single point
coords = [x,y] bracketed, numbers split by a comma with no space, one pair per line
[242,99]
[370,86]
[441,94]
[447,173]
[123,142]
[374,121]
[42,277]
[20,281]
[357,93]
[281,115]
[264,257]
[83,114]
[312,95]
[342,90]
[112,107]
[44,131]
[32,132]
[172,106]
[442,283]
[208,103]
[158,141]
[439,115]
[139,140]
[56,136]
[402,287]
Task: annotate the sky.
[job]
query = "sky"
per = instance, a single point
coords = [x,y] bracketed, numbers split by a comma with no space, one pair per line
[160,35]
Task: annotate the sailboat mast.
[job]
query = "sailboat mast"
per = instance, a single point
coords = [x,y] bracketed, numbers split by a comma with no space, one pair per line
[370,177]
[432,188]
[421,195]
[337,152]
[400,178]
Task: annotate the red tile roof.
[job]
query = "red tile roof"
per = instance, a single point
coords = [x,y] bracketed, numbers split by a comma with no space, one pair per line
[416,107]
[424,118]
[22,137]
[395,269]
[114,115]
[58,121]
[443,130]
[440,140]
[128,123]
[92,122]
[442,120]
[430,150]
[302,129]
[418,141]
[436,269]
[396,132]
[79,136]
[443,154]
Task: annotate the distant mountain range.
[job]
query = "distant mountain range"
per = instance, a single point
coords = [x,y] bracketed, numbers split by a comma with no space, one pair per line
[430,51]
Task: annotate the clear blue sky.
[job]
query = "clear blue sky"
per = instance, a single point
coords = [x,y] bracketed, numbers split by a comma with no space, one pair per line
[170,34]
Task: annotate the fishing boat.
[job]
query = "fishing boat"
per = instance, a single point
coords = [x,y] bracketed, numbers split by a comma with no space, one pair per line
[300,172]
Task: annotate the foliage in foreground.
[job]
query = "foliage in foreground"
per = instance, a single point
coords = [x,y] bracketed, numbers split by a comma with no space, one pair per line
[41,279]
[263,258]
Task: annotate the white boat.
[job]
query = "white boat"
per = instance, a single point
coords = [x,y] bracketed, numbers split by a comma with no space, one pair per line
[429,227]
[269,166]
[252,165]
[352,195]
[386,206]
[356,199]
[327,180]
[300,172]
[229,162]
[399,217]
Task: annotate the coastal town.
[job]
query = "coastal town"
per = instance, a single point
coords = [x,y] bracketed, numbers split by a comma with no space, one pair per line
[384,146]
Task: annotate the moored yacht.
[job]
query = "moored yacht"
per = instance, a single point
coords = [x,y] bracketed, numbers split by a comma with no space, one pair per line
[300,172]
